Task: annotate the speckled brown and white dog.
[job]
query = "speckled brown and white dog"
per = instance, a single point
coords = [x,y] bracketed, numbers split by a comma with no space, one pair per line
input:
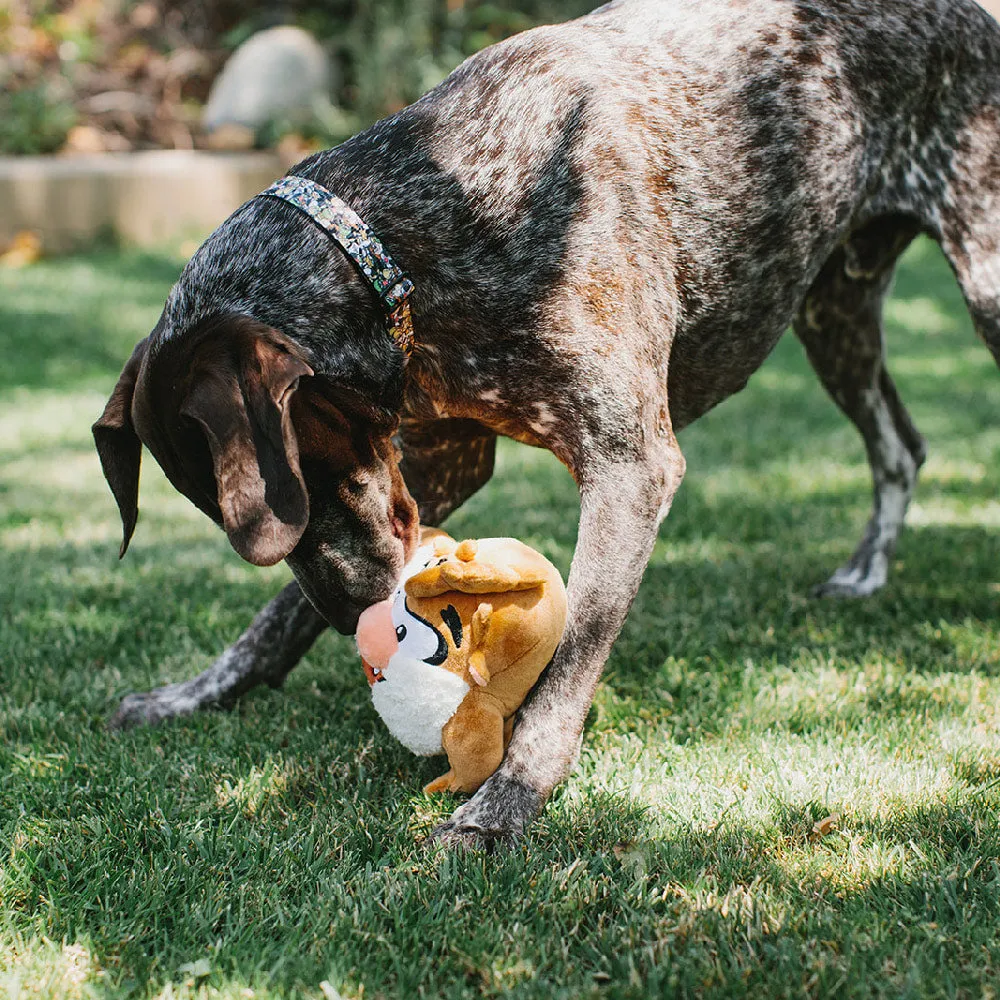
[609,224]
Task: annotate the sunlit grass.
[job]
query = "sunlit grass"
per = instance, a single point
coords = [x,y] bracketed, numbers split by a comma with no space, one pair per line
[41,968]
[776,796]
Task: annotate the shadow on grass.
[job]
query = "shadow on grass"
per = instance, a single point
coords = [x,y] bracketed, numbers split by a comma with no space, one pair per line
[594,898]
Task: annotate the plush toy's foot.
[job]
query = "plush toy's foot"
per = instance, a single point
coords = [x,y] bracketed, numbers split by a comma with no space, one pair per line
[494,817]
[445,783]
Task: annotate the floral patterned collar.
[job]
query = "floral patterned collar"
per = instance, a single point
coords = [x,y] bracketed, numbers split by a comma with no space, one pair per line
[358,241]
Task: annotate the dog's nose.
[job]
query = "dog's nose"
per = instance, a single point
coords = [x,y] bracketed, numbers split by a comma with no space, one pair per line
[376,639]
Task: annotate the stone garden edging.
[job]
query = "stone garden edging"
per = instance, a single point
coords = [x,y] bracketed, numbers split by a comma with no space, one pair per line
[144,199]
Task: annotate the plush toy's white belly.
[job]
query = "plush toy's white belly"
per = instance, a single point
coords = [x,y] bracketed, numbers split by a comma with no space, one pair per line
[415,700]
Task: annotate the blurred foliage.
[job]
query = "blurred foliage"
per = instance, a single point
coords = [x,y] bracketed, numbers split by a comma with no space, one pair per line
[392,51]
[134,73]
[34,120]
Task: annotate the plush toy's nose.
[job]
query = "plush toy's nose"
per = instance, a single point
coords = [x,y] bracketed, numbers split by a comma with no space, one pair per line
[376,638]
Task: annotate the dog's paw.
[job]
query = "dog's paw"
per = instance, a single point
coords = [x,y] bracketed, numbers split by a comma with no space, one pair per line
[152,707]
[866,572]
[136,710]
[836,589]
[859,578]
[494,818]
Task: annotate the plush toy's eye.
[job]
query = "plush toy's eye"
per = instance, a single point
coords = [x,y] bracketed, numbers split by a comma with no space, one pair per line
[400,633]
[450,617]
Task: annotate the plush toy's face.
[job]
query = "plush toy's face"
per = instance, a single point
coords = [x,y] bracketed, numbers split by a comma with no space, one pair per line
[417,630]
[432,640]
[415,656]
[425,630]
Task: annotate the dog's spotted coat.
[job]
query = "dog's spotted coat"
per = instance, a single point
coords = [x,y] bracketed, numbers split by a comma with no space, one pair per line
[610,223]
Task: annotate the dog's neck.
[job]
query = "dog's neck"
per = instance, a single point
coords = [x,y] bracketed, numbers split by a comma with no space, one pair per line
[477,288]
[485,261]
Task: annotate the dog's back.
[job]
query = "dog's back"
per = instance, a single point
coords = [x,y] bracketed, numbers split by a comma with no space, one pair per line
[742,142]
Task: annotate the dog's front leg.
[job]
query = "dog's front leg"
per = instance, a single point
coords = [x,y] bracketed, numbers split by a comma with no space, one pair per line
[622,505]
[276,640]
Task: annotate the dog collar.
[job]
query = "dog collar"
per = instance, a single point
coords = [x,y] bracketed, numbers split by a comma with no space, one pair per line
[357,240]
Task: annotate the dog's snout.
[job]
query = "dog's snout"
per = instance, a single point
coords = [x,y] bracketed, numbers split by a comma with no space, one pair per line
[341,582]
[380,586]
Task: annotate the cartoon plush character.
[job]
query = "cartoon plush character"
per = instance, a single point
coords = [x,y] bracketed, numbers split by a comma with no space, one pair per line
[451,656]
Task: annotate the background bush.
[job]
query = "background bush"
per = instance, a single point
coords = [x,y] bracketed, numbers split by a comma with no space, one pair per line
[135,74]
[34,120]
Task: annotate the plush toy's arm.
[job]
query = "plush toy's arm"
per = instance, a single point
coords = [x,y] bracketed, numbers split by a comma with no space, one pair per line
[477,656]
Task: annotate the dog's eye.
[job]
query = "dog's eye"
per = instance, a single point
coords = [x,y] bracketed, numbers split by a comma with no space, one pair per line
[400,633]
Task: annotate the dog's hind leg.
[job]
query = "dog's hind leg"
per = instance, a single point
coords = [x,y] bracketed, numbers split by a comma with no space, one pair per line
[970,223]
[278,637]
[443,465]
[840,325]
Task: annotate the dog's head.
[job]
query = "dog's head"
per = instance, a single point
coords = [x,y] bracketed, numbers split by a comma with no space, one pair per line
[294,464]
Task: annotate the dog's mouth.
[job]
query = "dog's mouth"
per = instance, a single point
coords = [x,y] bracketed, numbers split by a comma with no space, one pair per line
[340,607]
[341,613]
[342,580]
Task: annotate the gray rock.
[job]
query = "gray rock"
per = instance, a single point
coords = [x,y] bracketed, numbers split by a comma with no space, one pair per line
[281,72]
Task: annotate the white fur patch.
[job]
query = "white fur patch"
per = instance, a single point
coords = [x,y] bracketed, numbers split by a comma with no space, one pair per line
[415,700]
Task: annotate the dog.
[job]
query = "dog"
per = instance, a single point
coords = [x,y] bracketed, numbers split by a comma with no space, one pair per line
[608,224]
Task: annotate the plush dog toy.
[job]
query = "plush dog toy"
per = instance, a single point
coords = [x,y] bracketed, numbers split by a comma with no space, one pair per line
[451,656]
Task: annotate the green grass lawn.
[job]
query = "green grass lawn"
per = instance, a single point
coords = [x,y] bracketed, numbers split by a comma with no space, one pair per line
[278,848]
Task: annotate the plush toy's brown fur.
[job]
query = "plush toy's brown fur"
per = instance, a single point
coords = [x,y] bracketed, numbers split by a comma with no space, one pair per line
[512,605]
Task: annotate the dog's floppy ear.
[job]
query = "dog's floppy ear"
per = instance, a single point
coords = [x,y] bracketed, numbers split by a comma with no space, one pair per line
[255,454]
[119,447]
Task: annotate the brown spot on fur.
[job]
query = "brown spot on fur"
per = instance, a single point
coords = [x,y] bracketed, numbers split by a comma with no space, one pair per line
[603,295]
[809,56]
[685,285]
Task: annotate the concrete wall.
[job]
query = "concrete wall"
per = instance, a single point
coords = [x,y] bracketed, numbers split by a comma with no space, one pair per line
[141,198]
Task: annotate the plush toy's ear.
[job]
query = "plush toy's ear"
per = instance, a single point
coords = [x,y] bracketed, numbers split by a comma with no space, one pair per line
[443,544]
[506,567]
[119,447]
[255,453]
